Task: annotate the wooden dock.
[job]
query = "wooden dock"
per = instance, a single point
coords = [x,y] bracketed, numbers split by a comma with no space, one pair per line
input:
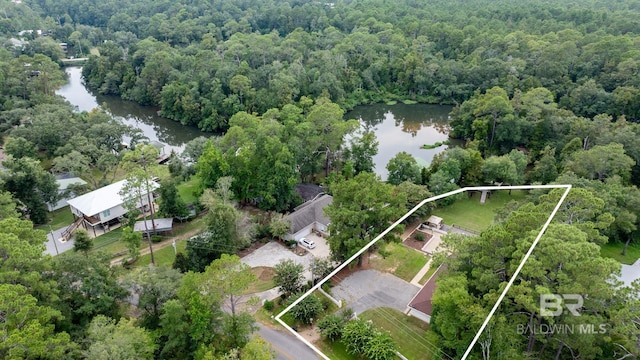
[162,159]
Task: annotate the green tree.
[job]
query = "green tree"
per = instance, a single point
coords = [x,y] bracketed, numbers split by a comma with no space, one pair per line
[133,240]
[306,310]
[88,286]
[154,286]
[545,169]
[19,147]
[601,162]
[26,180]
[82,242]
[381,347]
[356,335]
[257,349]
[28,330]
[279,225]
[363,149]
[123,340]
[170,203]
[331,326]
[137,192]
[288,276]
[414,194]
[403,167]
[229,230]
[362,208]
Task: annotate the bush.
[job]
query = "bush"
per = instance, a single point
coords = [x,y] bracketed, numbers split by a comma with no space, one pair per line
[384,253]
[326,303]
[307,309]
[268,305]
[331,327]
[419,236]
[156,238]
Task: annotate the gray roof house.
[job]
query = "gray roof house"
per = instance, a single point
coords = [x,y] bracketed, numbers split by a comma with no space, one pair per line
[309,217]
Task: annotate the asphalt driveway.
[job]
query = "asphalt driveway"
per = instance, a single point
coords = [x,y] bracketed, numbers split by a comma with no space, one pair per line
[367,289]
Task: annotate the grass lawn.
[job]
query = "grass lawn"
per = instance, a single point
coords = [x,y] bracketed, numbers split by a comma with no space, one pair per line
[109,242]
[164,256]
[335,350]
[187,188]
[469,213]
[614,250]
[264,279]
[432,269]
[412,336]
[402,261]
[57,219]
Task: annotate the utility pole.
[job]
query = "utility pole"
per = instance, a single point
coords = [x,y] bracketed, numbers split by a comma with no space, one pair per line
[53,238]
[153,222]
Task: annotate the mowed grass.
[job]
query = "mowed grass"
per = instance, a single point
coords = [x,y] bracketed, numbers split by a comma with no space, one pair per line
[57,219]
[264,279]
[335,350]
[109,242]
[164,256]
[614,250]
[425,278]
[187,189]
[401,261]
[469,213]
[412,336]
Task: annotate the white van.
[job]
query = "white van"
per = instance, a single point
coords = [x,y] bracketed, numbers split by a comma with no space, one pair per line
[309,244]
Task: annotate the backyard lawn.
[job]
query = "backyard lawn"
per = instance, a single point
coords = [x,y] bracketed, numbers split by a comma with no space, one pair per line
[57,219]
[412,336]
[469,213]
[187,189]
[401,261]
[614,250]
[110,242]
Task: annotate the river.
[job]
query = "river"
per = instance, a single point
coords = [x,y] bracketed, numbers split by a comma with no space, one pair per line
[398,127]
[155,127]
[406,128]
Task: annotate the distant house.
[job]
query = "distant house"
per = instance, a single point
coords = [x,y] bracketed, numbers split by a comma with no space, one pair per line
[420,306]
[105,206]
[309,191]
[309,217]
[64,192]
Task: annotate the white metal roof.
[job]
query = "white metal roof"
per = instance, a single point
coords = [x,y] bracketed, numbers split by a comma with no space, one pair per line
[63,184]
[102,199]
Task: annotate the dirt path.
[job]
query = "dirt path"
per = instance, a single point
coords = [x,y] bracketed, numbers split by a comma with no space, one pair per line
[158,246]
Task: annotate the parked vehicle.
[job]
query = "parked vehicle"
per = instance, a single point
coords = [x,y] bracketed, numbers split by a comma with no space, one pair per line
[309,244]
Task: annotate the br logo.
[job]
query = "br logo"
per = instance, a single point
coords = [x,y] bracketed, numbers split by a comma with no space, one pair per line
[551,304]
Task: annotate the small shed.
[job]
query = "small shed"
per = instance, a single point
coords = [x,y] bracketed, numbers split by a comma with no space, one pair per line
[434,222]
[161,225]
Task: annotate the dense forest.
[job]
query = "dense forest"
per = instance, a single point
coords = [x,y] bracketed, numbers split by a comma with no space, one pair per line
[544,92]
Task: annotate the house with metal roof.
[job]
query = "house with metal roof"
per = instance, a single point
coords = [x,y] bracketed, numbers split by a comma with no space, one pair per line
[309,217]
[105,206]
[64,192]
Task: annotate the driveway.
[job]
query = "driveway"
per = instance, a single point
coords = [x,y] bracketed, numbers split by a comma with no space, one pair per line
[630,273]
[54,246]
[322,246]
[272,253]
[367,289]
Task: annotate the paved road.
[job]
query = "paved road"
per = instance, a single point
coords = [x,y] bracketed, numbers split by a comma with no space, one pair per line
[62,247]
[367,289]
[287,346]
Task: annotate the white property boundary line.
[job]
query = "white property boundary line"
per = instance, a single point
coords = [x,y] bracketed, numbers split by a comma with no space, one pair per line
[385,232]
